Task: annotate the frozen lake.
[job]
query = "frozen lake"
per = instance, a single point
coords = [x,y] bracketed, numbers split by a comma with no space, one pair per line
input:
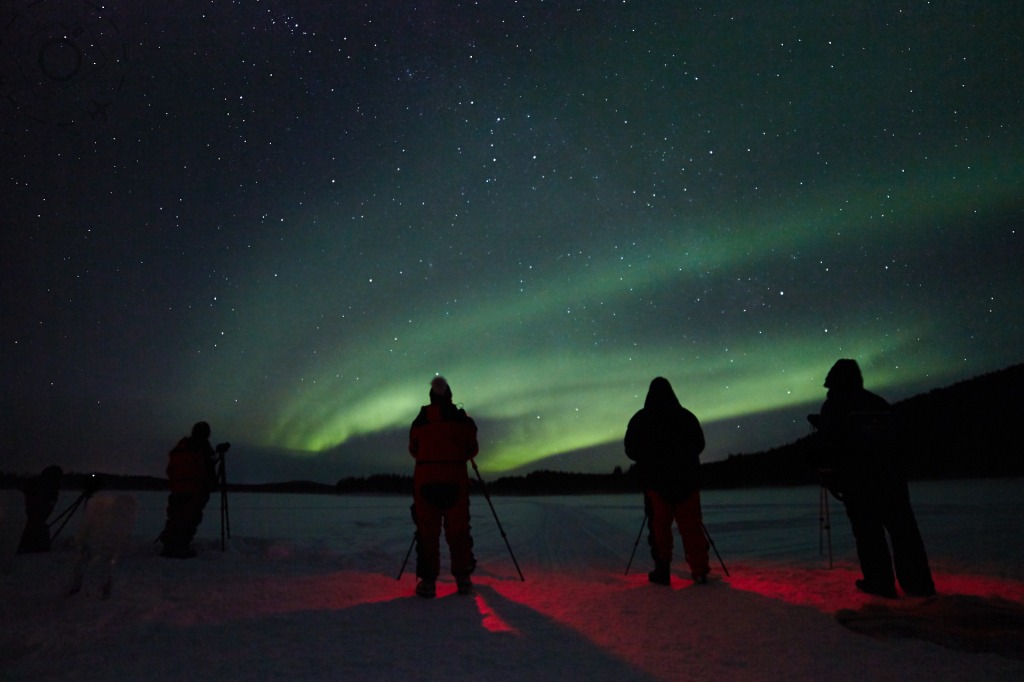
[972,524]
[306,590]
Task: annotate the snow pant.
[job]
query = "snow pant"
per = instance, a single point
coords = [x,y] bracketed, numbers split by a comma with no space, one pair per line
[437,506]
[184,514]
[875,510]
[661,512]
[35,537]
[39,505]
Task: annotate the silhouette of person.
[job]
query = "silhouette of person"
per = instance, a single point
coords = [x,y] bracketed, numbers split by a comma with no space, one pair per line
[860,465]
[192,475]
[41,494]
[442,439]
[665,440]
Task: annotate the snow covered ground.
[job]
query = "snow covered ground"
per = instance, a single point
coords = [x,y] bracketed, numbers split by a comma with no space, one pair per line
[307,590]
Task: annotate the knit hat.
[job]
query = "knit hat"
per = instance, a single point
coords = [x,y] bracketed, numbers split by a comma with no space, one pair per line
[845,374]
[439,389]
[200,430]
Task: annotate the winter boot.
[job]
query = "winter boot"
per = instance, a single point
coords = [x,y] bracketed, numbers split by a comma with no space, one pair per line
[464,585]
[177,552]
[660,575]
[426,588]
[887,591]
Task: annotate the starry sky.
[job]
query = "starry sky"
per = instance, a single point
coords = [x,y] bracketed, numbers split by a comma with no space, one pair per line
[285,218]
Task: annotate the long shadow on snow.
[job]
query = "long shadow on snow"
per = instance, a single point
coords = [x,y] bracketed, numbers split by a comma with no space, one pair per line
[484,636]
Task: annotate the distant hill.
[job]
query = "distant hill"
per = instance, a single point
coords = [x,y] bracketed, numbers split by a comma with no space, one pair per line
[967,430]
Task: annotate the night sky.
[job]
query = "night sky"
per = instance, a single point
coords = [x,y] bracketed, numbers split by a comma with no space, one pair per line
[286,217]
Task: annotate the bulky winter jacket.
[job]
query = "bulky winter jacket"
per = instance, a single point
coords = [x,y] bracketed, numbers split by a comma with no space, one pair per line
[666,442]
[442,439]
[857,441]
[191,467]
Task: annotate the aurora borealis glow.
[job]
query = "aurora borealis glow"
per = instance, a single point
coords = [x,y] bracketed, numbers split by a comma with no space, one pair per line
[288,219]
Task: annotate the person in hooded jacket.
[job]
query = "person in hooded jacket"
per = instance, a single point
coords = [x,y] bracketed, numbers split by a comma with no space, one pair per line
[441,440]
[192,475]
[665,440]
[860,465]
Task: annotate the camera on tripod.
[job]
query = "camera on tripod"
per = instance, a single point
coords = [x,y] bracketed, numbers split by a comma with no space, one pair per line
[91,484]
[222,448]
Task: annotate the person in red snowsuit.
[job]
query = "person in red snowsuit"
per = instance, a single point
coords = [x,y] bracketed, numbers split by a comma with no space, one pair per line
[442,439]
[192,475]
[665,440]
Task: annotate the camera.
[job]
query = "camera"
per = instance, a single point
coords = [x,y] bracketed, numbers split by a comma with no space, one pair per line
[222,448]
[91,484]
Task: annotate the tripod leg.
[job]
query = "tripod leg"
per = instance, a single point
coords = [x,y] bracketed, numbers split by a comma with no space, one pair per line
[225,518]
[67,514]
[828,526]
[504,537]
[637,543]
[406,560]
[821,520]
[223,499]
[712,543]
[227,514]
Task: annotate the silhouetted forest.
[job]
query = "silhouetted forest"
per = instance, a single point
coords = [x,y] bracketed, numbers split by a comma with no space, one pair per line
[967,430]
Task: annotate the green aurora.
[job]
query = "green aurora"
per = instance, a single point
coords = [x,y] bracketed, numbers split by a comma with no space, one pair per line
[554,384]
[285,220]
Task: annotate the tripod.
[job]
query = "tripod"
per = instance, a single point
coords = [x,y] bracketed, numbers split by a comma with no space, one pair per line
[415,537]
[66,515]
[824,517]
[487,496]
[91,486]
[707,536]
[406,560]
[639,534]
[222,479]
[496,520]
[824,523]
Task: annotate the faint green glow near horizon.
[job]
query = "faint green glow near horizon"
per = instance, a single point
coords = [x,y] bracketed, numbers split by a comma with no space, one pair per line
[544,409]
[548,400]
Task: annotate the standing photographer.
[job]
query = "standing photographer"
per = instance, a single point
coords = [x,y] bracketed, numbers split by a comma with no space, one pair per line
[441,440]
[665,440]
[41,494]
[860,464]
[192,474]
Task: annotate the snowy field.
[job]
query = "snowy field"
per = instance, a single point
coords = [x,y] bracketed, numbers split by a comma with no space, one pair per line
[307,590]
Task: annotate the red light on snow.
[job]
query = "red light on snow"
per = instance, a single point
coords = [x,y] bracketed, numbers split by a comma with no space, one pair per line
[490,620]
[832,589]
[824,589]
